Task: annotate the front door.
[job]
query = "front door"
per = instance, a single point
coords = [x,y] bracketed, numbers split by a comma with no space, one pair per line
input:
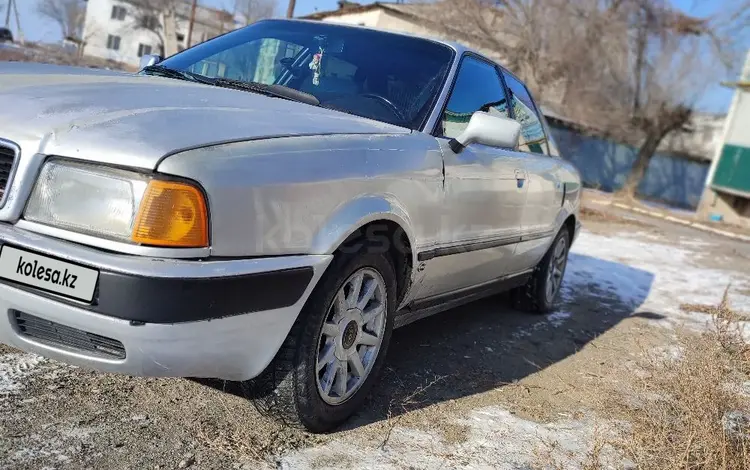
[485,191]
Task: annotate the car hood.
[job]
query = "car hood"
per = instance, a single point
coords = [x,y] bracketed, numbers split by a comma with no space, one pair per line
[136,120]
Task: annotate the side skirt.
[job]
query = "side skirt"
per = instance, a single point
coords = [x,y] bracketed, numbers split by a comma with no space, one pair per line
[429,306]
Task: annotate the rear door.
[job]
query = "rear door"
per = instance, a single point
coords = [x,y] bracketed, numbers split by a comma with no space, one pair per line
[545,188]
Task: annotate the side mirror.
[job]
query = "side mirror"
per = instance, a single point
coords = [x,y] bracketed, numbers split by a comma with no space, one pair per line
[150,59]
[486,129]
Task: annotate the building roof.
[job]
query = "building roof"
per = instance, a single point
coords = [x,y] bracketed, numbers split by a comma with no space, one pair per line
[418,11]
[457,46]
[347,8]
[432,15]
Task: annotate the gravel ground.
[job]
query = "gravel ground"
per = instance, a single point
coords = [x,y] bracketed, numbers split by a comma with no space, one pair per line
[481,386]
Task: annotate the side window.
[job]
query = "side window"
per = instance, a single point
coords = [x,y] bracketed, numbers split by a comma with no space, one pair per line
[532,138]
[477,87]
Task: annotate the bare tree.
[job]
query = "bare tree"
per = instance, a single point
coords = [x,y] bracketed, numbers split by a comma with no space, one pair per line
[68,14]
[153,16]
[254,10]
[290,8]
[148,17]
[666,61]
[633,69]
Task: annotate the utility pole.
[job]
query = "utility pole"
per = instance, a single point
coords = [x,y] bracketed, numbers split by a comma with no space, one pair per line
[290,8]
[190,26]
[7,14]
[18,22]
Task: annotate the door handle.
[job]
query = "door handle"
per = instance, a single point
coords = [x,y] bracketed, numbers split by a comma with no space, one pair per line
[520,177]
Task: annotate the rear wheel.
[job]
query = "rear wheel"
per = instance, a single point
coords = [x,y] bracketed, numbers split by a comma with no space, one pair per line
[336,348]
[540,293]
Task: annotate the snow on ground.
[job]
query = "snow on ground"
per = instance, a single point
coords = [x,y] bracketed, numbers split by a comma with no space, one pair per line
[665,275]
[644,271]
[14,368]
[496,439]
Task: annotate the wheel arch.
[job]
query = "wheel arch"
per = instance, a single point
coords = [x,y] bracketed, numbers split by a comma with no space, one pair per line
[381,220]
[570,225]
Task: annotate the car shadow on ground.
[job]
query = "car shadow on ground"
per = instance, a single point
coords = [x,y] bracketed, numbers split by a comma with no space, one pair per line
[486,344]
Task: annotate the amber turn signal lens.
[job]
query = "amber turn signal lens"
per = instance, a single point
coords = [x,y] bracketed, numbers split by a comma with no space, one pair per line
[172,214]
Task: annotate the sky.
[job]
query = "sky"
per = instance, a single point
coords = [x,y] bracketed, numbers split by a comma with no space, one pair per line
[716,98]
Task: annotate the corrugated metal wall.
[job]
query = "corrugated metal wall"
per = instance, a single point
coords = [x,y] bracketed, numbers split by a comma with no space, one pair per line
[605,164]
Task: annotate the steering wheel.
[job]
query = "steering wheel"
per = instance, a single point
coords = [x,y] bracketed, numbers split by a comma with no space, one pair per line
[389,104]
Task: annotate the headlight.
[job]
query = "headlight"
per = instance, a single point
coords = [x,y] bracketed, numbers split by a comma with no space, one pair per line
[120,205]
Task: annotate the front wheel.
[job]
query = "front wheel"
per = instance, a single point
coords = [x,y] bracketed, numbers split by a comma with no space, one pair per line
[541,291]
[336,348]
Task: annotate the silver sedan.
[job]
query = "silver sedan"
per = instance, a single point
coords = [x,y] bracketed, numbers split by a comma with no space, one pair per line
[269,205]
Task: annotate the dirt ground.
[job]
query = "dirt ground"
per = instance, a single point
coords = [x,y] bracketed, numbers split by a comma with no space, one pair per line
[481,386]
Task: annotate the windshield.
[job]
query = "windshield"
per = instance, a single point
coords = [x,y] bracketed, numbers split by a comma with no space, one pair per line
[382,76]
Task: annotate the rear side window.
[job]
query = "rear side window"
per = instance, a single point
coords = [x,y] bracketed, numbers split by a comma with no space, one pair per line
[478,87]
[532,138]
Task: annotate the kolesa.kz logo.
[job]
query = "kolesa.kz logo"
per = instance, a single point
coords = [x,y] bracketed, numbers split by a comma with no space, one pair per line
[38,271]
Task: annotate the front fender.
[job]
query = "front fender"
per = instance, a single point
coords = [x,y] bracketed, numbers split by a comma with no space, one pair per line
[353,215]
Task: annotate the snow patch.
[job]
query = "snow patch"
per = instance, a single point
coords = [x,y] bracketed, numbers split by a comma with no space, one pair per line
[496,439]
[649,275]
[14,368]
[558,318]
[555,319]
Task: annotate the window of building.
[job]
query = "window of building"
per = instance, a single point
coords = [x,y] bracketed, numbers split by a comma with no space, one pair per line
[180,37]
[118,12]
[478,87]
[144,49]
[532,138]
[113,42]
[150,22]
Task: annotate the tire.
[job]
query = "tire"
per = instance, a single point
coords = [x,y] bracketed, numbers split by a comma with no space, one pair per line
[534,296]
[291,389]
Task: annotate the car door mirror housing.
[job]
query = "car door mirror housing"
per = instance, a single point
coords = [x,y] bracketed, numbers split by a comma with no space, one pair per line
[150,59]
[486,129]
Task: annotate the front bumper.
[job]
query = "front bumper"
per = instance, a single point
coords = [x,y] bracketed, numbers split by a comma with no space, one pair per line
[179,318]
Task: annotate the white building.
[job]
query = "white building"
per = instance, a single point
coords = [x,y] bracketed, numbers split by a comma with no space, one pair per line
[111,29]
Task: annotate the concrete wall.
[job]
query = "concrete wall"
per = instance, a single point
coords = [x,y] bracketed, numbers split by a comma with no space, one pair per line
[98,26]
[605,164]
[738,132]
[732,209]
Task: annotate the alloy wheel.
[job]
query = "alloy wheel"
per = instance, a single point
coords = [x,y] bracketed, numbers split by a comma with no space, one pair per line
[351,336]
[556,268]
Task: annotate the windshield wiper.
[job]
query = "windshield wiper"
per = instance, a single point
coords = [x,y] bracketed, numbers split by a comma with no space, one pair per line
[178,74]
[278,91]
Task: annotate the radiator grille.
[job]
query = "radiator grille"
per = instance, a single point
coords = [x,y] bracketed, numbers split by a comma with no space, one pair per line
[65,337]
[7,160]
